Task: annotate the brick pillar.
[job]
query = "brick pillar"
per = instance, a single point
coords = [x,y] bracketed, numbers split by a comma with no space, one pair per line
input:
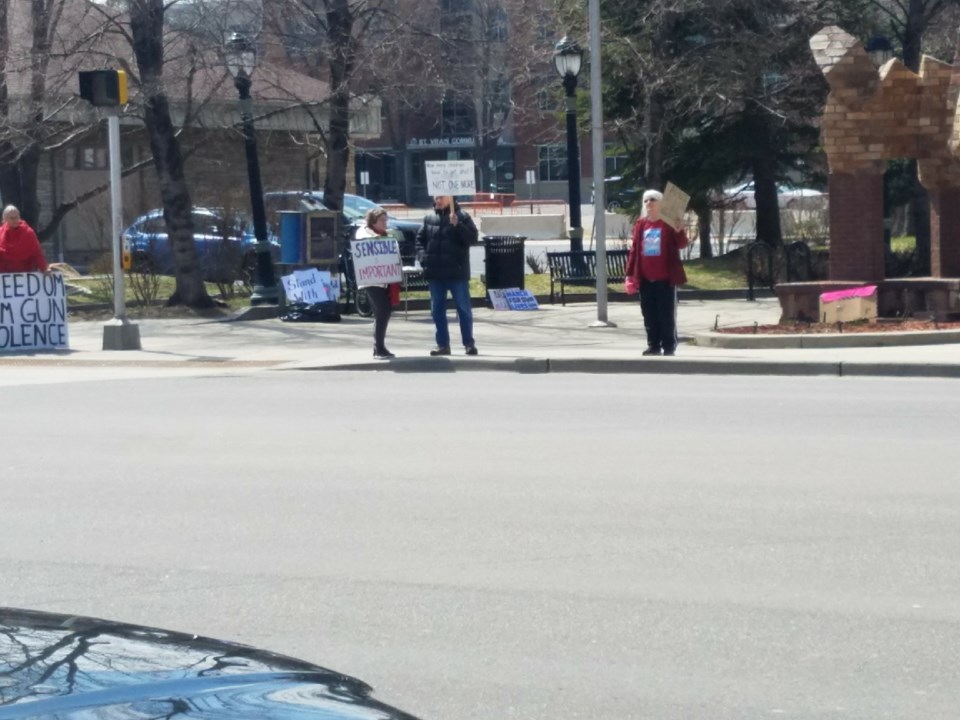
[856,226]
[945,232]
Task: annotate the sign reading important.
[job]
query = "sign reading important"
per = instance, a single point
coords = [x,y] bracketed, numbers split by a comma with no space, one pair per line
[450,177]
[376,261]
[33,312]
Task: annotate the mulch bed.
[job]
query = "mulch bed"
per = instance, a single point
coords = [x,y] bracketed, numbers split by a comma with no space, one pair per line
[799,328]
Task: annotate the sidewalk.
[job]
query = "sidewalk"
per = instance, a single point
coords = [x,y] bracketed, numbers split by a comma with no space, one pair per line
[552,339]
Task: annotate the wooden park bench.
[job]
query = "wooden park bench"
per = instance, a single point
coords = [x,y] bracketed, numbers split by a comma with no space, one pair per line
[580,268]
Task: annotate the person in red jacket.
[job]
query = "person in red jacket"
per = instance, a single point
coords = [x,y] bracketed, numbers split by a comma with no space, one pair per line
[19,247]
[654,269]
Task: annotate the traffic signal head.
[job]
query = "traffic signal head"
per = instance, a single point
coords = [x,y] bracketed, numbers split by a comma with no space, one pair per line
[104,88]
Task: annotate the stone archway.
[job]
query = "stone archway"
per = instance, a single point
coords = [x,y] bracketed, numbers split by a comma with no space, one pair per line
[872,116]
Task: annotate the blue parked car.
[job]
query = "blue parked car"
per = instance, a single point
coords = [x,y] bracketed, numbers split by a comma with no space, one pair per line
[225,244]
[72,667]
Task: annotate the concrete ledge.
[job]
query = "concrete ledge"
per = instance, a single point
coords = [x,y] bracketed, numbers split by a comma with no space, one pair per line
[826,340]
[533,227]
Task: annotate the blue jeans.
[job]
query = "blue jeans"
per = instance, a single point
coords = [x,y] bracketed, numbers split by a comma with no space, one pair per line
[460,291]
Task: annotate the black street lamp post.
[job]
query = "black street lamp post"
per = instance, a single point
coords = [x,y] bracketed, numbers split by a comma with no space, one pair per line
[568,57]
[241,60]
[879,49]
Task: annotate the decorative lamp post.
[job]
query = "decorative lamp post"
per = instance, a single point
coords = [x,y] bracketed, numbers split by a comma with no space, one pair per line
[879,49]
[241,61]
[568,57]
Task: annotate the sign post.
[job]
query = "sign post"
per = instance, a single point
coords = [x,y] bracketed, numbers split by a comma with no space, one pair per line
[118,333]
[108,89]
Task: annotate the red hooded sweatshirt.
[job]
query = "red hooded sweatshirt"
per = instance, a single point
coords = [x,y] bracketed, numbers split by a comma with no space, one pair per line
[20,250]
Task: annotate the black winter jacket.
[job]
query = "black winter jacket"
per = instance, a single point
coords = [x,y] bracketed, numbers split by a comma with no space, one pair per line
[445,248]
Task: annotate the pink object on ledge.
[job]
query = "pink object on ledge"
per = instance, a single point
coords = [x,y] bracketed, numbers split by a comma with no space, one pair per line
[865,291]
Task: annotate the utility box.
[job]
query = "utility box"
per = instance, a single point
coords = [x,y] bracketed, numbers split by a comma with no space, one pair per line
[849,305]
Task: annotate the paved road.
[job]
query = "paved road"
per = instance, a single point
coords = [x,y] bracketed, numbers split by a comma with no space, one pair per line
[487,545]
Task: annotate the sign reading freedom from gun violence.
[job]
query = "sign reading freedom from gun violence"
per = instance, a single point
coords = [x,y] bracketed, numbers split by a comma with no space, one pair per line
[33,312]
[376,261]
[450,177]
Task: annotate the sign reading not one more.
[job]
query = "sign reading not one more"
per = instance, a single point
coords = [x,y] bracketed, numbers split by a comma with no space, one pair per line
[450,177]
[33,312]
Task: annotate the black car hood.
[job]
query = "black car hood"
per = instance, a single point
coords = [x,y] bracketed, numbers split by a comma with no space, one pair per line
[62,666]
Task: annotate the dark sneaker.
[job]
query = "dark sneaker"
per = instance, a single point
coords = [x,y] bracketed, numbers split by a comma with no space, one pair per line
[472,350]
[440,351]
[383,354]
[652,351]
[669,352]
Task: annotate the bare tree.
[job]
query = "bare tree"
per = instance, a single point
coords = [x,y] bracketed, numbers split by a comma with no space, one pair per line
[146,39]
[41,44]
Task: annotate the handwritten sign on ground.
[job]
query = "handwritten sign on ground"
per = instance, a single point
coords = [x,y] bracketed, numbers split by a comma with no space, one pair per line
[512,299]
[376,261]
[33,312]
[450,177]
[311,286]
[674,205]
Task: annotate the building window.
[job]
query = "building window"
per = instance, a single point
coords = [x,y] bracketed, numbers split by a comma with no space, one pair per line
[548,100]
[457,119]
[85,157]
[553,162]
[497,31]
[456,6]
[614,160]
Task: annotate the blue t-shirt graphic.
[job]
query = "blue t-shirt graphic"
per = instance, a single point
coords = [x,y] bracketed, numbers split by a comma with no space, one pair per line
[651,242]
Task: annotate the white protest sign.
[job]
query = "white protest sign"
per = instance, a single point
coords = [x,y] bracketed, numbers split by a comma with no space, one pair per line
[291,288]
[311,288]
[450,177]
[376,261]
[512,299]
[330,283]
[33,311]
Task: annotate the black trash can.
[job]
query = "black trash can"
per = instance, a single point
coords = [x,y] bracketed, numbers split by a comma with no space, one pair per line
[504,260]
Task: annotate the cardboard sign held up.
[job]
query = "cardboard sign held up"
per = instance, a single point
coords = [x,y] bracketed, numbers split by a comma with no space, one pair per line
[674,205]
[450,177]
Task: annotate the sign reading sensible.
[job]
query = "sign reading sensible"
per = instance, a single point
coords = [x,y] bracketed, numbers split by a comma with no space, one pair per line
[376,261]
[450,177]
[33,312]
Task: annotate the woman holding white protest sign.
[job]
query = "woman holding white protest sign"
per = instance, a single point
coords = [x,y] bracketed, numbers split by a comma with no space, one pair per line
[382,297]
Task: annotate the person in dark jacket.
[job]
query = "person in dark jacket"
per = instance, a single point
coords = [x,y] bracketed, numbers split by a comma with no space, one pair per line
[444,246]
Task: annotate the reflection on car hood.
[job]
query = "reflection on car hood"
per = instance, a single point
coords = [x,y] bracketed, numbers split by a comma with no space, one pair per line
[60,666]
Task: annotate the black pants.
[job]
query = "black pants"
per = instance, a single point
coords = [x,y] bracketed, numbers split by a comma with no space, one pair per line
[658,302]
[380,299]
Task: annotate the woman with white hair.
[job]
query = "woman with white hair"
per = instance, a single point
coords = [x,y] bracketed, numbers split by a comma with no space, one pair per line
[654,269]
[20,249]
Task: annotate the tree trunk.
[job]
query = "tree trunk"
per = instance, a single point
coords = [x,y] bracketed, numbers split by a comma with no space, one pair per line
[701,206]
[146,24]
[913,29]
[340,28]
[765,183]
[653,160]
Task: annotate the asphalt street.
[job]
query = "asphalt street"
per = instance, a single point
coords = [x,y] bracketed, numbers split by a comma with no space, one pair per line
[480,545]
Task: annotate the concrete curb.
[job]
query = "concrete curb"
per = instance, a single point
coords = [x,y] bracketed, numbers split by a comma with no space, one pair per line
[825,340]
[647,366]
